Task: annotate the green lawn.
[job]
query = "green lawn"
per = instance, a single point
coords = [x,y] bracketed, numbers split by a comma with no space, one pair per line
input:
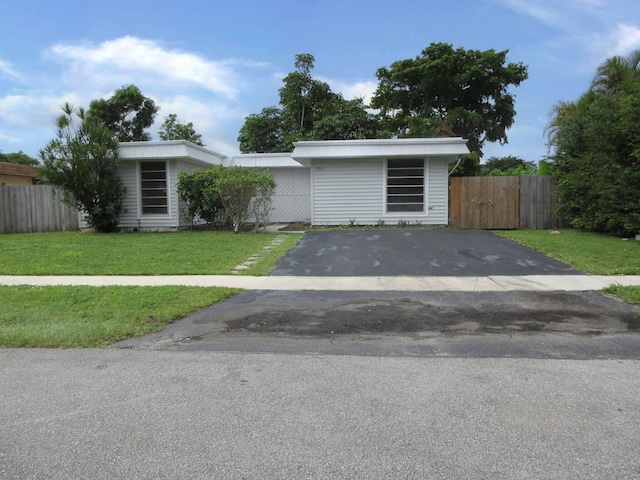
[67,317]
[589,252]
[628,294]
[62,316]
[178,253]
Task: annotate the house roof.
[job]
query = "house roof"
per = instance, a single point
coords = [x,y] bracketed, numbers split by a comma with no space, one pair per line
[302,155]
[262,160]
[170,149]
[18,170]
[304,152]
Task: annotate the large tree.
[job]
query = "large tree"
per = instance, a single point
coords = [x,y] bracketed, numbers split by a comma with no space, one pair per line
[451,92]
[82,161]
[127,114]
[596,142]
[172,129]
[308,110]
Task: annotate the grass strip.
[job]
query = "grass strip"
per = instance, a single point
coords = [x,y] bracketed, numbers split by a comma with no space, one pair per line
[176,253]
[79,316]
[628,294]
[591,253]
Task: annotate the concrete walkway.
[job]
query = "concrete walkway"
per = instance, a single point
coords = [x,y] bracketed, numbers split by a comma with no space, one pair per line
[495,283]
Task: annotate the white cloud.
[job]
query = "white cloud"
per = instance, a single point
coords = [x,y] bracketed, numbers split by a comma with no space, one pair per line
[7,70]
[625,39]
[352,90]
[209,118]
[364,90]
[548,16]
[32,109]
[130,55]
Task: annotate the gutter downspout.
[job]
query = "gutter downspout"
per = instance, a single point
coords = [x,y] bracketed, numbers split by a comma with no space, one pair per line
[456,166]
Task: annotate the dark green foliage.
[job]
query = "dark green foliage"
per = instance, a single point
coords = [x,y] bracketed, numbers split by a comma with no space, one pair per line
[238,186]
[447,92]
[197,189]
[232,192]
[507,166]
[82,161]
[266,132]
[597,156]
[20,158]
[127,114]
[172,129]
[309,111]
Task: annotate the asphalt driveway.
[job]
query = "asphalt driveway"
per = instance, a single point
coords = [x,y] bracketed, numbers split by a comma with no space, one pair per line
[439,252]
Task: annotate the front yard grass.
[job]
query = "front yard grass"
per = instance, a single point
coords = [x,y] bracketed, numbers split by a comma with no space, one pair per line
[70,316]
[591,253]
[178,253]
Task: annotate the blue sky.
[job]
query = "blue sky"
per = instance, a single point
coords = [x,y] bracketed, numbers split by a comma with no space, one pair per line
[213,63]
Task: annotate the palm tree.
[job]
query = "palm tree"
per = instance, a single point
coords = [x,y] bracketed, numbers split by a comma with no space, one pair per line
[615,71]
[559,113]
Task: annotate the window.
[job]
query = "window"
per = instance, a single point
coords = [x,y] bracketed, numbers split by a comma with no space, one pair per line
[153,185]
[405,185]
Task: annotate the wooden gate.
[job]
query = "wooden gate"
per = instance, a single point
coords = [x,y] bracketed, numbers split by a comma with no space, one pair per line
[484,202]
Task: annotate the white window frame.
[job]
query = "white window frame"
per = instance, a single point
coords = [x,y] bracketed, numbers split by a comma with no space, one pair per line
[407,213]
[141,197]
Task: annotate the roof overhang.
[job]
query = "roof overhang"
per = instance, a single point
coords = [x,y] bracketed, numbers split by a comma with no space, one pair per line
[172,149]
[18,170]
[305,152]
[263,160]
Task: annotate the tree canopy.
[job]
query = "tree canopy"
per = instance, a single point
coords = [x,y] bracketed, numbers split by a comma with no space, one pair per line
[596,143]
[83,162]
[127,114]
[172,129]
[308,110]
[451,92]
[19,158]
[510,165]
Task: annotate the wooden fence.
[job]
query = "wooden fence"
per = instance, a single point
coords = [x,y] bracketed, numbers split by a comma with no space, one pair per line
[526,202]
[35,208]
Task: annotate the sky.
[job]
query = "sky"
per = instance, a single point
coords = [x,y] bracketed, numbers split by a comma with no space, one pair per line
[214,62]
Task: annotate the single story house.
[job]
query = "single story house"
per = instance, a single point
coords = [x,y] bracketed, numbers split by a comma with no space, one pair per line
[13,174]
[329,182]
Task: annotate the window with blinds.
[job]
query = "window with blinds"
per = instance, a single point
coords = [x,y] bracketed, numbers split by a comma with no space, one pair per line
[405,185]
[153,187]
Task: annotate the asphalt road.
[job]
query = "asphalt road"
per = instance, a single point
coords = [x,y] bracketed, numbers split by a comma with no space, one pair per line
[106,414]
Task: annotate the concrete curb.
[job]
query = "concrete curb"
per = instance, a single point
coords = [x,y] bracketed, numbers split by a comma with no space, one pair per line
[402,283]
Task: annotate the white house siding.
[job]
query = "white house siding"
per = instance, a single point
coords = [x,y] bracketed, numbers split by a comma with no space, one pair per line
[292,198]
[132,218]
[129,175]
[343,190]
[354,190]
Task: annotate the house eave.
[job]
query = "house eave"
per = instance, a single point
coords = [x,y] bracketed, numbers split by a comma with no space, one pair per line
[167,150]
[307,151]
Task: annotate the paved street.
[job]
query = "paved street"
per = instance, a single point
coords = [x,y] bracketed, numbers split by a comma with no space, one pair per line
[106,414]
